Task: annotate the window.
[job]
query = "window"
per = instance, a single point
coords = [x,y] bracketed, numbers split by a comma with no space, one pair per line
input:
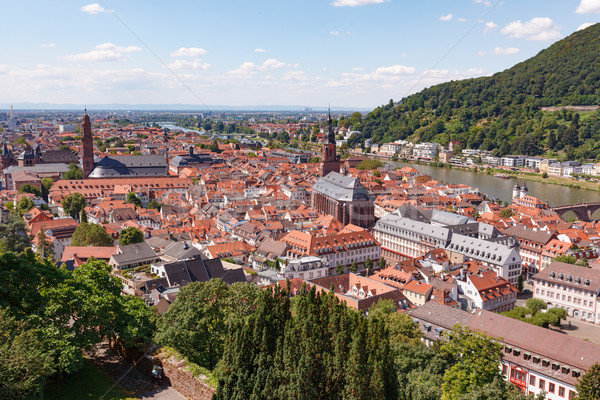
[542,384]
[532,380]
[561,391]
[551,387]
[504,370]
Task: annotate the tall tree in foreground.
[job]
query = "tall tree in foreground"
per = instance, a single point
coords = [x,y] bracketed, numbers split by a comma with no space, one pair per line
[588,387]
[476,360]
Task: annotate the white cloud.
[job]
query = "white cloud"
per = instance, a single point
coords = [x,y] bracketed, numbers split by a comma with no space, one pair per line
[505,51]
[48,45]
[103,52]
[334,33]
[461,19]
[395,70]
[486,2]
[588,6]
[273,63]
[93,8]
[583,26]
[446,17]
[490,26]
[535,29]
[481,53]
[355,3]
[260,51]
[187,64]
[188,52]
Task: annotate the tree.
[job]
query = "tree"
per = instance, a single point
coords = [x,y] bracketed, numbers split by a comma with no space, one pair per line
[565,258]
[133,199]
[73,173]
[196,323]
[520,283]
[25,364]
[400,326]
[369,265]
[27,188]
[44,246]
[506,213]
[476,362]
[23,205]
[536,305]
[91,235]
[130,235]
[46,185]
[588,387]
[214,146]
[13,235]
[154,204]
[339,268]
[21,141]
[353,267]
[382,263]
[73,204]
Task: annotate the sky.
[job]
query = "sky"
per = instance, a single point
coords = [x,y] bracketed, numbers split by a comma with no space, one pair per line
[310,53]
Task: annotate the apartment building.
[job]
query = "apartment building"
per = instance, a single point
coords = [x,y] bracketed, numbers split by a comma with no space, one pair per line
[572,287]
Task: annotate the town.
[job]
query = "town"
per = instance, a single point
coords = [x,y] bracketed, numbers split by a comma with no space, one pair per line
[166,207]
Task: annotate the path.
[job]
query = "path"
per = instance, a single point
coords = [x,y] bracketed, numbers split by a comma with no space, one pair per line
[129,377]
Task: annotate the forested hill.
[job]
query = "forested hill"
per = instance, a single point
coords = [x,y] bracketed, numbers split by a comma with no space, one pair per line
[502,112]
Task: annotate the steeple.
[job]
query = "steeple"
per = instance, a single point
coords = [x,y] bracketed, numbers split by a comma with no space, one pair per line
[87,158]
[329,155]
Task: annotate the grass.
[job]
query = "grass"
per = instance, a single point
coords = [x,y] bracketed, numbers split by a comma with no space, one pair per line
[88,383]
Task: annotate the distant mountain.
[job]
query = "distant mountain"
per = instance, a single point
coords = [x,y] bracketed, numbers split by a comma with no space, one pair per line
[172,107]
[503,112]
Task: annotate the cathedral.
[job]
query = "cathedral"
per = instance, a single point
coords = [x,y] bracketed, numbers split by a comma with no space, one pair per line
[117,166]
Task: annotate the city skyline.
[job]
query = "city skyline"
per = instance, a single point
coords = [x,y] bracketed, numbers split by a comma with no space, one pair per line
[349,53]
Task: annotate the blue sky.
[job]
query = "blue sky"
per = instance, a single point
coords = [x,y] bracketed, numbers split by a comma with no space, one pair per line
[350,53]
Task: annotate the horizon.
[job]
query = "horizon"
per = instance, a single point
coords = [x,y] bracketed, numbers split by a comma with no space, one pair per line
[357,54]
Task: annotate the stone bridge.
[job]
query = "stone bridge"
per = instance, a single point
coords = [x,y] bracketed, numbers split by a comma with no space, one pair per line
[583,211]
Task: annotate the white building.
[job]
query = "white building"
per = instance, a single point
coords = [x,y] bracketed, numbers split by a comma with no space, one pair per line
[426,150]
[305,268]
[572,287]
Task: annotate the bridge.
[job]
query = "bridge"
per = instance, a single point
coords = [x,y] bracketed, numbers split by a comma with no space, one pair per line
[583,211]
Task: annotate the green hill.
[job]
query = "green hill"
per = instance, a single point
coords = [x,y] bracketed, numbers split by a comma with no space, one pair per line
[503,112]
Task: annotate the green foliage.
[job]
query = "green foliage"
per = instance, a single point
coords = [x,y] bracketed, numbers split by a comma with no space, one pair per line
[382,263]
[73,173]
[535,313]
[21,141]
[24,363]
[23,205]
[154,204]
[196,323]
[315,348]
[476,360]
[588,387]
[502,112]
[369,164]
[520,283]
[46,185]
[506,213]
[536,305]
[13,235]
[566,259]
[73,204]
[339,268]
[400,326]
[60,313]
[130,235]
[133,199]
[315,160]
[91,235]
[27,188]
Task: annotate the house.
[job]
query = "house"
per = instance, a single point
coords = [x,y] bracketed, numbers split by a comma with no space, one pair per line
[535,359]
[133,255]
[74,256]
[181,273]
[305,268]
[488,291]
[236,250]
[417,292]
[360,293]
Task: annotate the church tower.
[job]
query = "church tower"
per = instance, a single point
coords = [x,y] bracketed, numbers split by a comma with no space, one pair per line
[88,146]
[329,155]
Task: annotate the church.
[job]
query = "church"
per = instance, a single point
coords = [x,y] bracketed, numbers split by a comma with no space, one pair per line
[117,166]
[342,196]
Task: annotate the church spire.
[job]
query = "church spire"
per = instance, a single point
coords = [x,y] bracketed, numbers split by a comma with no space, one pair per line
[87,140]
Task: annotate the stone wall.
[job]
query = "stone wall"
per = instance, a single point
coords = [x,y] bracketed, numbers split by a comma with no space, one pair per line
[184,381]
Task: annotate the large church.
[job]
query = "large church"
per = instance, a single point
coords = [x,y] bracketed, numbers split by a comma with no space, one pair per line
[117,166]
[342,196]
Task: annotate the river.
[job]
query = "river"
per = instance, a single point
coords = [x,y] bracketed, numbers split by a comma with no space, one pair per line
[500,188]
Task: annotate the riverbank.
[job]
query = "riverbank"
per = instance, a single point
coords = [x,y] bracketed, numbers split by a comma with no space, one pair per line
[519,175]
